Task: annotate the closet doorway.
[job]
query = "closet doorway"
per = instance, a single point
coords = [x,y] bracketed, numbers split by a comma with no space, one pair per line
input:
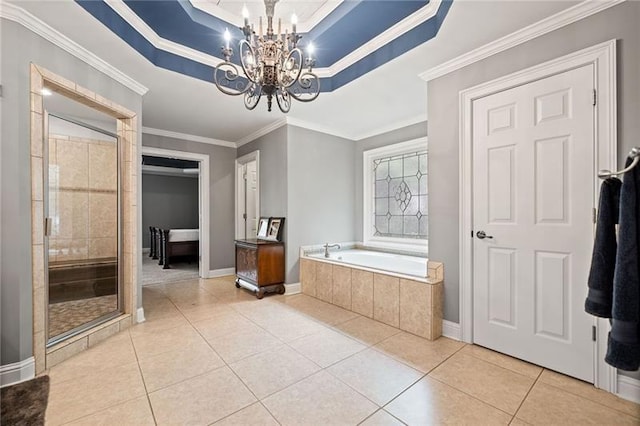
[247,195]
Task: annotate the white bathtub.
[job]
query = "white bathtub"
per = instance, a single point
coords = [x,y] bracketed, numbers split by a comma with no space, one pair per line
[397,263]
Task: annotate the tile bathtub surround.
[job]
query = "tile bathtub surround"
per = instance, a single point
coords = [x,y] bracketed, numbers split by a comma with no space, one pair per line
[411,305]
[314,363]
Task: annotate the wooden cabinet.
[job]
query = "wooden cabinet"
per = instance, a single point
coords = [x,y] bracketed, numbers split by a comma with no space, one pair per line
[260,266]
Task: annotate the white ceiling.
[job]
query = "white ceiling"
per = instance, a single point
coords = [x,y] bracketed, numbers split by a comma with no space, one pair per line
[384,98]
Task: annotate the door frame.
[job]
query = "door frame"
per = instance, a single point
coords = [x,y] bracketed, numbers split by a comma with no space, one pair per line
[241,161]
[603,57]
[203,199]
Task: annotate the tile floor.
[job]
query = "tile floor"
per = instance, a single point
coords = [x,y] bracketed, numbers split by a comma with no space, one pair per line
[212,354]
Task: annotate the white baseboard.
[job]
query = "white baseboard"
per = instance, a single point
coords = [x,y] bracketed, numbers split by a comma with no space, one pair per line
[221,272]
[293,288]
[17,372]
[140,316]
[146,250]
[451,330]
[629,388]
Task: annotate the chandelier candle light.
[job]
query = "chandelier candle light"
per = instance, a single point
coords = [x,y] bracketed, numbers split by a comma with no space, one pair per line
[272,64]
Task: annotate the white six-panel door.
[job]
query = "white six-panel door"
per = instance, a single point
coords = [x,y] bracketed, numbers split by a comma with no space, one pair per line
[533,169]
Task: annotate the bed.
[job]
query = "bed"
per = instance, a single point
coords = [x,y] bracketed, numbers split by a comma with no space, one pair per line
[168,243]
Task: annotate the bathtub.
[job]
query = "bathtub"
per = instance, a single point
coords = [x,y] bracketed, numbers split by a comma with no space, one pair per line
[397,263]
[402,291]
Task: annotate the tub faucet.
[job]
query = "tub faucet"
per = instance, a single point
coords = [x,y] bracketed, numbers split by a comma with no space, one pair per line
[327,246]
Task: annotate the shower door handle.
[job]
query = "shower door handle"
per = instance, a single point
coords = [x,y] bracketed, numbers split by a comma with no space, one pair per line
[47,226]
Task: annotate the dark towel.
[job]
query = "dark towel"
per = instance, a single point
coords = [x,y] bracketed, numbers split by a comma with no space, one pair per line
[603,260]
[624,339]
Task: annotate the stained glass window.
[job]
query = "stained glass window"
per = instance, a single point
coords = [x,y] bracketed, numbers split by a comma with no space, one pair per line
[400,196]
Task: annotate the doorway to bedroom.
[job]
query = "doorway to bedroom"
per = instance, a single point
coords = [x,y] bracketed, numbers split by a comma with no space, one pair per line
[175,187]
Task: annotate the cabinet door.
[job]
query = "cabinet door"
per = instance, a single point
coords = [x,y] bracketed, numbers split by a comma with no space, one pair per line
[247,263]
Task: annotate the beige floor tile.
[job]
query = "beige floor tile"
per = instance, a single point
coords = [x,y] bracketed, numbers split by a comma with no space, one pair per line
[260,310]
[587,390]
[205,312]
[153,311]
[163,370]
[326,347]
[291,326]
[97,390]
[319,310]
[366,330]
[159,324]
[157,342]
[494,385]
[434,403]
[504,361]
[253,415]
[201,400]
[517,422]
[547,404]
[186,302]
[381,418]
[244,342]
[375,375]
[319,400]
[113,352]
[134,412]
[272,371]
[222,324]
[417,352]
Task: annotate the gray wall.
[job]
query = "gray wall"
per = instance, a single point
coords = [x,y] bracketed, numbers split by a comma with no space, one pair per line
[321,204]
[273,172]
[404,134]
[620,22]
[221,194]
[306,177]
[168,202]
[19,47]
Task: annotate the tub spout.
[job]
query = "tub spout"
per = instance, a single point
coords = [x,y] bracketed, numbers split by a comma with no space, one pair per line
[327,246]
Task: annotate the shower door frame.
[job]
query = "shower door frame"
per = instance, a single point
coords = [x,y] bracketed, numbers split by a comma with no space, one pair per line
[53,340]
[129,136]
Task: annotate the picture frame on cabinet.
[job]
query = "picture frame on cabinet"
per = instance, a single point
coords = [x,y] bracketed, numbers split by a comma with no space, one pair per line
[276,227]
[263,227]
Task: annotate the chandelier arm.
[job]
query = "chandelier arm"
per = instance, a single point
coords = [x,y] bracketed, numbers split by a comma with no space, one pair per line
[283,98]
[306,81]
[252,96]
[249,71]
[287,73]
[230,73]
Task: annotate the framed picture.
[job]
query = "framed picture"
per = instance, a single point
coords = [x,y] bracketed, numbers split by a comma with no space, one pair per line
[263,227]
[276,226]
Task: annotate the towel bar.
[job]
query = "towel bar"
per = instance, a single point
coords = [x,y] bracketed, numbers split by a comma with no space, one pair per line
[634,154]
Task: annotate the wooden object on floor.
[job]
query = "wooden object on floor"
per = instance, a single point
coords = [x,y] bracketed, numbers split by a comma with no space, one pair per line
[260,263]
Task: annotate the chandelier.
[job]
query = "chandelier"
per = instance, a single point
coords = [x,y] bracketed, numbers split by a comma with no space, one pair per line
[272,63]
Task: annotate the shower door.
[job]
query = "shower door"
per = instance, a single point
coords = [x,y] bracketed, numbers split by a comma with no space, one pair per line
[81,225]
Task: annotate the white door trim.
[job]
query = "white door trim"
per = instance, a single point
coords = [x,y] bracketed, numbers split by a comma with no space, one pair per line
[603,57]
[203,201]
[255,155]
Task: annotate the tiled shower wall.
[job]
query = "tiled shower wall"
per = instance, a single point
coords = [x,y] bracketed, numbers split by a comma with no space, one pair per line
[83,198]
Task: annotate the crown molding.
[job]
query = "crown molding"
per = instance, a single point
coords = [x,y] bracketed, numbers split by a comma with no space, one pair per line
[160,43]
[390,128]
[303,26]
[544,26]
[381,40]
[20,16]
[317,128]
[374,44]
[261,132]
[187,137]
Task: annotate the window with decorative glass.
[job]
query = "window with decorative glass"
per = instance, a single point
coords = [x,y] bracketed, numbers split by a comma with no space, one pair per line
[396,195]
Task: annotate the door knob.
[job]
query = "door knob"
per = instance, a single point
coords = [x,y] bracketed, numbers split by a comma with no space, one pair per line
[482,235]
